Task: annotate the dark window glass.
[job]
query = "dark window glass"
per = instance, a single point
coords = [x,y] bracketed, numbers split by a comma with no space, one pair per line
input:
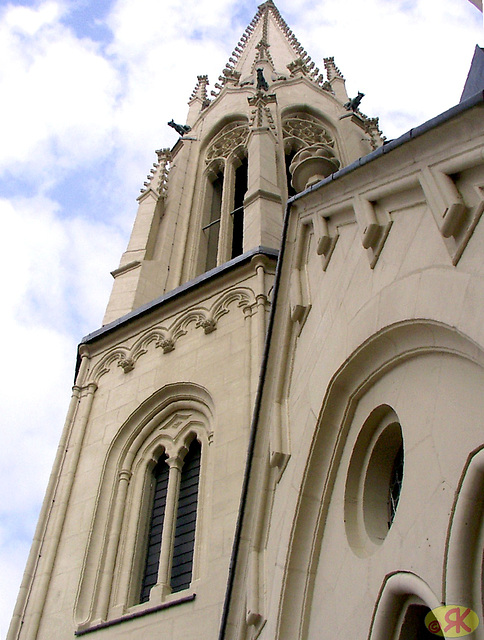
[160,484]
[238,212]
[184,543]
[212,229]
[395,488]
[413,627]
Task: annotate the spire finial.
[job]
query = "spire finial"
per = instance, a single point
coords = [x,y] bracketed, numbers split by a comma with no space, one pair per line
[200,90]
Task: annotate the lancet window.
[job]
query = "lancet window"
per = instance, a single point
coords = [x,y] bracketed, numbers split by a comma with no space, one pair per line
[223,205]
[170,539]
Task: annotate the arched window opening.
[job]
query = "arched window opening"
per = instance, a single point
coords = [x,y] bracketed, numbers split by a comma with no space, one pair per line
[159,485]
[413,625]
[184,542]
[304,131]
[223,205]
[240,189]
[374,481]
[212,229]
[173,548]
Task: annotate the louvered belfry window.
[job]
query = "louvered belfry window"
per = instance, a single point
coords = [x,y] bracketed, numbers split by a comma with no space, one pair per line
[185,524]
[150,576]
[184,543]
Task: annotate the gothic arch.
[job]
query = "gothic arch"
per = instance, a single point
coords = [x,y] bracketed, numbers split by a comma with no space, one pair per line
[378,355]
[464,552]
[398,591]
[218,127]
[314,115]
[166,336]
[167,420]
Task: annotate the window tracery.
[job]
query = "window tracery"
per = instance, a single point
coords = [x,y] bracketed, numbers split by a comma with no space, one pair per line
[302,130]
[227,140]
[128,567]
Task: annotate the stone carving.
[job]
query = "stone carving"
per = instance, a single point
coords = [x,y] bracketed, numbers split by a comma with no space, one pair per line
[354,103]
[127,364]
[230,76]
[181,129]
[261,115]
[167,344]
[331,69]
[261,81]
[200,91]
[232,136]
[208,325]
[157,179]
[298,67]
[266,8]
[312,164]
[303,130]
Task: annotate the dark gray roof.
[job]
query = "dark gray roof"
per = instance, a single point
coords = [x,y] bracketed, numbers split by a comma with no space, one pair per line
[475,77]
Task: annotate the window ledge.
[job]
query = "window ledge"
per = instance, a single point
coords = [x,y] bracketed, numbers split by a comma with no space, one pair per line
[136,614]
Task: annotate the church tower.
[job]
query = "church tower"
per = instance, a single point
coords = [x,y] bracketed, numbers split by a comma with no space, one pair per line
[136,532]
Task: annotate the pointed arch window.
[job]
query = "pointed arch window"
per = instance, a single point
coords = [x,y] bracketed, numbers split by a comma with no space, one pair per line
[160,482]
[170,541]
[223,204]
[302,130]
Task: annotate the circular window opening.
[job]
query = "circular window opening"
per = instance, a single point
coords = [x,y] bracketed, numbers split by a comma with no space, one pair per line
[374,481]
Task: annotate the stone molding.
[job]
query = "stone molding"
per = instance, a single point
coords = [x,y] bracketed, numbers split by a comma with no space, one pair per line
[166,336]
[166,423]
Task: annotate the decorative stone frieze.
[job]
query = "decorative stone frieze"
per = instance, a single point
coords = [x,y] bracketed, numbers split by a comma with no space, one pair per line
[165,337]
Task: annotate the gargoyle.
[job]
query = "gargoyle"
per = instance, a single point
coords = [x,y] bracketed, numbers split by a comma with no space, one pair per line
[181,129]
[261,81]
[354,103]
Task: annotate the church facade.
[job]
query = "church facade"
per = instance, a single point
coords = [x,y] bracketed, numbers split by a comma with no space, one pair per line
[279,430]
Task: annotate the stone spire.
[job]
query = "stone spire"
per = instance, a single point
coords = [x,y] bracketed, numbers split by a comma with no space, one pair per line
[270,44]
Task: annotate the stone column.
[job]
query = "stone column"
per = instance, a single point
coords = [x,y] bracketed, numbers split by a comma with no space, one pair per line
[263,209]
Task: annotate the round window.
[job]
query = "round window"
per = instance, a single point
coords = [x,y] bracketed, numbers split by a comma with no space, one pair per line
[374,481]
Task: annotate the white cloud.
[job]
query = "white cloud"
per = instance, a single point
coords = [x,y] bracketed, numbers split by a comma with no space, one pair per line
[59,94]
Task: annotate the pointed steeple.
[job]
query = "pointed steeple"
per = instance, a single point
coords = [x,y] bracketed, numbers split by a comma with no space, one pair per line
[267,43]
[276,124]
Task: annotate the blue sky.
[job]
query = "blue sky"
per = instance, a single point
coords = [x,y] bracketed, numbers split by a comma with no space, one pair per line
[87,87]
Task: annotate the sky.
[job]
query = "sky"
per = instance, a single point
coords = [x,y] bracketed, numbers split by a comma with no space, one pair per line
[86,90]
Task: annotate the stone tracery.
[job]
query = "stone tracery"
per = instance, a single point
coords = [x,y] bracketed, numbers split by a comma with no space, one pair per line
[303,130]
[232,136]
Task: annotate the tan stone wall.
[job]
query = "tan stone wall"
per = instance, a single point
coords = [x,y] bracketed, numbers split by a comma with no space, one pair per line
[184,368]
[389,316]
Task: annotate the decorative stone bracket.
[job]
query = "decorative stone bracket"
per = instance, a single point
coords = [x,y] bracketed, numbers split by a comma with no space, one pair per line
[373,232]
[455,218]
[325,242]
[298,290]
